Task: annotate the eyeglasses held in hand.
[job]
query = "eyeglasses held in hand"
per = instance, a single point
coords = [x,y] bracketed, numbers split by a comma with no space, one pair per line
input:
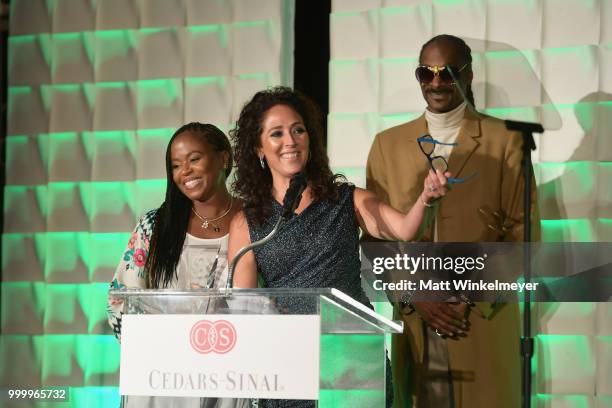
[427,145]
[447,74]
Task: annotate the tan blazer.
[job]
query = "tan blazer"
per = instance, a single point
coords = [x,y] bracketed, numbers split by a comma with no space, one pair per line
[485,366]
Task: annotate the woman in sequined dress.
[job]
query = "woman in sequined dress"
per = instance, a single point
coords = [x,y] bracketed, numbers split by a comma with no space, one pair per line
[279,134]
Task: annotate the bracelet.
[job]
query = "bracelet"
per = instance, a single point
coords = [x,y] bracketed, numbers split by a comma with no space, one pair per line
[407,305]
[466,300]
[404,302]
[425,203]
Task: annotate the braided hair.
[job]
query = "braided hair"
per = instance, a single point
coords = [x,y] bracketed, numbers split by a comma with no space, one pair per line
[172,217]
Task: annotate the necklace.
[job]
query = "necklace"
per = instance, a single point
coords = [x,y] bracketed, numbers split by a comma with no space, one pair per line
[206,221]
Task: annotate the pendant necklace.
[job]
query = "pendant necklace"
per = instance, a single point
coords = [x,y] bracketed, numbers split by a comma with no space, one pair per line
[206,222]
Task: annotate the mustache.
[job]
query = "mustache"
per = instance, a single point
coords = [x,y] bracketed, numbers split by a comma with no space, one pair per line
[445,89]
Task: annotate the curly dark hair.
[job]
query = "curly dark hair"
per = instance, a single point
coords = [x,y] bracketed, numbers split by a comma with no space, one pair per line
[172,217]
[252,182]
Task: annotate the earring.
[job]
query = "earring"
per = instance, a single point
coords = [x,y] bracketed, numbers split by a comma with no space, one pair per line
[262,162]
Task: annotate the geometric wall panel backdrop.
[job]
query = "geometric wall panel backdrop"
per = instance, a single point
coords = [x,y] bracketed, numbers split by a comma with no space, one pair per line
[566,45]
[96,89]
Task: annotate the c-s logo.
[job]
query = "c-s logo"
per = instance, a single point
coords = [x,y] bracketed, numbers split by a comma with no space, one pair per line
[219,337]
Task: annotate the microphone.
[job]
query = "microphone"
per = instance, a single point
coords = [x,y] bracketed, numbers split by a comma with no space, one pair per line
[293,195]
[292,199]
[524,127]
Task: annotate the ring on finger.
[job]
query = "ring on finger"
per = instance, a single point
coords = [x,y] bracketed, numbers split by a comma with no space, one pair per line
[438,333]
[431,189]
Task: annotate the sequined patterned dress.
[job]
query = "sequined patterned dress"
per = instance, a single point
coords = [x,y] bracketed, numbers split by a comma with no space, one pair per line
[318,248]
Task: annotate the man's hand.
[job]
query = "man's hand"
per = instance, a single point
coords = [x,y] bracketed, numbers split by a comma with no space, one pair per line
[448,319]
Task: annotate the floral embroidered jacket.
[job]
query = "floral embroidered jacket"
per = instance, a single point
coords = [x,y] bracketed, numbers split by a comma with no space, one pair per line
[130,272]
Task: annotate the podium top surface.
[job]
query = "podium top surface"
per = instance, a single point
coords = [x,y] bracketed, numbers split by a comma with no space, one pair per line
[335,307]
[227,292]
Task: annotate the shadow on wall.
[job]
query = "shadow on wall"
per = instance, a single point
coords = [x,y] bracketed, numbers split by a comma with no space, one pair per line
[558,199]
[572,190]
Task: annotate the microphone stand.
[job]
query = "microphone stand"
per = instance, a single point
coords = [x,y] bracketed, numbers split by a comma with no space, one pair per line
[230,275]
[292,199]
[527,342]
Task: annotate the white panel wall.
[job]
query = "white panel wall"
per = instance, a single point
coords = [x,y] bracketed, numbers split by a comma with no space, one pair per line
[96,90]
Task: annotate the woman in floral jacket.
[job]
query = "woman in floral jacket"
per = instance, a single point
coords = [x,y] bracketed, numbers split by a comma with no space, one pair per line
[183,243]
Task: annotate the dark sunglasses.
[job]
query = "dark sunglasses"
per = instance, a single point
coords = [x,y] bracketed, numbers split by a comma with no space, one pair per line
[447,74]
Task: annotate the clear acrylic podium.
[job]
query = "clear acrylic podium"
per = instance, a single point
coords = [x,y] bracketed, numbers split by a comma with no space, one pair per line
[352,336]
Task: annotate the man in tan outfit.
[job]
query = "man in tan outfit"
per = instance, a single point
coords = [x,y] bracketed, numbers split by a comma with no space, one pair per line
[453,355]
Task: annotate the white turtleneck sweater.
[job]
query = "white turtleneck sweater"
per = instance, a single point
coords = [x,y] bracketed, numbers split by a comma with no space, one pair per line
[444,127]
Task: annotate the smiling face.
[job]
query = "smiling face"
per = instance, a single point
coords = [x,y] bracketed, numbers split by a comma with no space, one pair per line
[441,97]
[198,170]
[284,141]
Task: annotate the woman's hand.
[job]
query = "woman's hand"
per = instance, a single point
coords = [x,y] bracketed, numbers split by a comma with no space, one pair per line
[435,187]
[382,221]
